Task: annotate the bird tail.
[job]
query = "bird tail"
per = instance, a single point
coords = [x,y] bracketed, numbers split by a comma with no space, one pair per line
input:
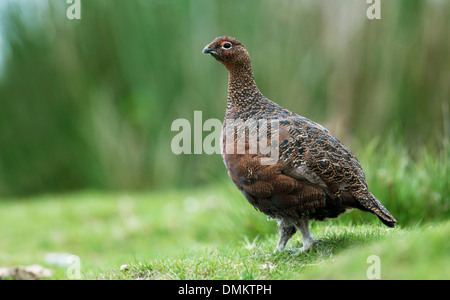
[374,206]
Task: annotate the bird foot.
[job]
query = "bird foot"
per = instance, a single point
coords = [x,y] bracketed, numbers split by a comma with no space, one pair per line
[306,247]
[308,244]
[288,250]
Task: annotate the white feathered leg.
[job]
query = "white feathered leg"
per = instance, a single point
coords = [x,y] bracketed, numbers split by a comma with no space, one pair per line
[286,230]
[302,225]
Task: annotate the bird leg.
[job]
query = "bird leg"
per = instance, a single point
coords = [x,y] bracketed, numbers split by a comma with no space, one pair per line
[286,230]
[302,225]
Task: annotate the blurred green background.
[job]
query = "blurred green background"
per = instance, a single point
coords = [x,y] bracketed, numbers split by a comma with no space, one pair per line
[88,104]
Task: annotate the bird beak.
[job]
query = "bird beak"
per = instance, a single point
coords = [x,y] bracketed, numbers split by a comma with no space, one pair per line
[210,51]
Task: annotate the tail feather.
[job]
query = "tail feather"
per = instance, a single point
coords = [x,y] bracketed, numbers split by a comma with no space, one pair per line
[387,219]
[374,206]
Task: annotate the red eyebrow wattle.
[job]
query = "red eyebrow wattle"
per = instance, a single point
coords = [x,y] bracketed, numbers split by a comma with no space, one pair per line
[221,44]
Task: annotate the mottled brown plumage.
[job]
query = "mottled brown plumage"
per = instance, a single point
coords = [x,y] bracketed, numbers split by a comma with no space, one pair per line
[314,178]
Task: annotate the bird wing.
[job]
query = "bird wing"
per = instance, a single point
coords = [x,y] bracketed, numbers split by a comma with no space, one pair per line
[312,153]
[309,152]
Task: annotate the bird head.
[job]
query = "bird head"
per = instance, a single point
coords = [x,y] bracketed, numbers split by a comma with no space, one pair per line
[229,51]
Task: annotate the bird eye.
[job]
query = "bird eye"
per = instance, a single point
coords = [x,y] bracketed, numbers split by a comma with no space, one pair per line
[226,45]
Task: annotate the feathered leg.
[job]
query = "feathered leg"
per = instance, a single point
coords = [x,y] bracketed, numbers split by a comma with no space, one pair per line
[286,230]
[302,225]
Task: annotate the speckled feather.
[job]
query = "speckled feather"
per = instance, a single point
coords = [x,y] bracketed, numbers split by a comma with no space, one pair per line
[316,176]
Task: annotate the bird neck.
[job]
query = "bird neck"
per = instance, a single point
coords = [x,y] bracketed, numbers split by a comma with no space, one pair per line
[242,89]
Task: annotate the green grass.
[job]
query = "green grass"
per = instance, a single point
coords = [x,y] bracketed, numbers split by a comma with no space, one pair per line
[107,230]
[418,253]
[251,259]
[210,233]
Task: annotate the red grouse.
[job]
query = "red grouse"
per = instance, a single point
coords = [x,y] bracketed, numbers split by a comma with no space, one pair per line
[314,176]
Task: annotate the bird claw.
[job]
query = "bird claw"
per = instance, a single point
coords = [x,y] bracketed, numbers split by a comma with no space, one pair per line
[303,249]
[288,250]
